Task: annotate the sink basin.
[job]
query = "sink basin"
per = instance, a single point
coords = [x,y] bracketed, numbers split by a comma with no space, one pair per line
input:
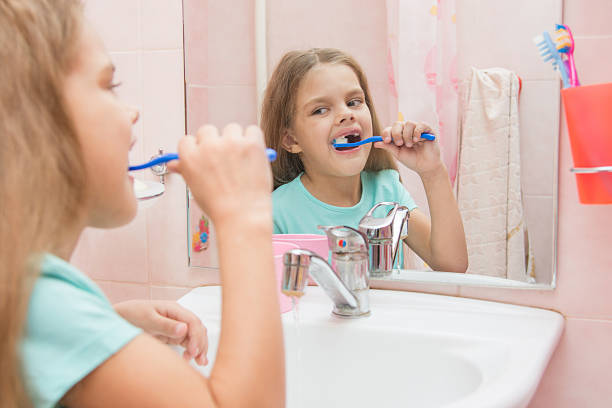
[415,349]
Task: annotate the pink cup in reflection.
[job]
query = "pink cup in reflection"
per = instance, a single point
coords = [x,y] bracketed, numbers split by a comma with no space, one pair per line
[315,243]
[280,247]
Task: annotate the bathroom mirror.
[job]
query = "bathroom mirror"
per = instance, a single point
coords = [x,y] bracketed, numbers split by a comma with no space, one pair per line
[402,45]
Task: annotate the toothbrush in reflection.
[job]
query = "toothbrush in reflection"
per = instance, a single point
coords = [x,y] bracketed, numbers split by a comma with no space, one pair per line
[271,153]
[425,136]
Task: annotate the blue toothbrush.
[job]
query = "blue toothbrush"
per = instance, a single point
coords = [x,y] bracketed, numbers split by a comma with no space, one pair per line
[271,153]
[426,136]
[548,51]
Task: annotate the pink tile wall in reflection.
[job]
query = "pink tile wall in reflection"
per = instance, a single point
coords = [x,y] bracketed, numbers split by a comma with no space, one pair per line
[145,42]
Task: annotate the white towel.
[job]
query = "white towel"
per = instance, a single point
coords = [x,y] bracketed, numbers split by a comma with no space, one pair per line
[489,177]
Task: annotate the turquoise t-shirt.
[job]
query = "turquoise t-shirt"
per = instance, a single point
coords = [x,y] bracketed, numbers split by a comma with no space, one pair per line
[71,329]
[296,211]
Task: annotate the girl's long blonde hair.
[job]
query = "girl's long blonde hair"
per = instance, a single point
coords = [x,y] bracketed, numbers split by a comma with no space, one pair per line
[42,176]
[279,108]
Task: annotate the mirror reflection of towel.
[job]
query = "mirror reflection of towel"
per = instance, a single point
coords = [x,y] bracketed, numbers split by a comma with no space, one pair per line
[489,178]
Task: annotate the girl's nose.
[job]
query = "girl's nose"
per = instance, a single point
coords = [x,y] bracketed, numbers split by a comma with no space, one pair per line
[346,116]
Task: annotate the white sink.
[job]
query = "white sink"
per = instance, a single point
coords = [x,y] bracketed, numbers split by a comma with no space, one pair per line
[415,350]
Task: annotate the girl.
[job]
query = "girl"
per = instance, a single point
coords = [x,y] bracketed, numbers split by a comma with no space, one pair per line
[320,95]
[64,142]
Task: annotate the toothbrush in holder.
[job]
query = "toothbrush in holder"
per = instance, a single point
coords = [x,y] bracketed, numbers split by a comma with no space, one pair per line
[271,153]
[548,51]
[373,139]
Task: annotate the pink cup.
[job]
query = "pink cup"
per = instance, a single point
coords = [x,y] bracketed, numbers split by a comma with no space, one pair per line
[280,248]
[315,243]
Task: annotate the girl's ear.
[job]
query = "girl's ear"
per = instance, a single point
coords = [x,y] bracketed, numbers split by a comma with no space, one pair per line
[289,143]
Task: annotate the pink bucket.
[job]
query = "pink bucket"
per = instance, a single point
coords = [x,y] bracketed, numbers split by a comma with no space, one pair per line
[313,242]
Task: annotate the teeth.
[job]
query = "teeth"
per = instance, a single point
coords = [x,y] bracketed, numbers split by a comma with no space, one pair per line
[343,139]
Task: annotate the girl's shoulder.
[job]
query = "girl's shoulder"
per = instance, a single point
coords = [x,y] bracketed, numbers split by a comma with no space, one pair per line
[71,327]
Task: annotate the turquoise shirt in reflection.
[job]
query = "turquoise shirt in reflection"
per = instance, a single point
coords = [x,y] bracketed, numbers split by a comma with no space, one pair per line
[296,211]
[71,329]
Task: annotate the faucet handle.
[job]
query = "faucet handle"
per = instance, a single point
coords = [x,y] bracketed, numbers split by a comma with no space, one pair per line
[379,227]
[343,239]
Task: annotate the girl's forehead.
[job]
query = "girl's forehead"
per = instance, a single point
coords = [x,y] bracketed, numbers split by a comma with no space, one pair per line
[91,52]
[326,79]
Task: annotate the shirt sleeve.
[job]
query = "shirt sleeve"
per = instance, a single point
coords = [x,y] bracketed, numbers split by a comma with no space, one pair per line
[71,329]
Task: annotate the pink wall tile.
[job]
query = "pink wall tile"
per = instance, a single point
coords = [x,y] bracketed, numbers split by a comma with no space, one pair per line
[538,120]
[231,104]
[509,27]
[593,59]
[231,51]
[168,292]
[540,218]
[161,20]
[578,374]
[128,247]
[588,17]
[356,27]
[196,41]
[117,22]
[120,291]
[219,41]
[197,107]
[163,115]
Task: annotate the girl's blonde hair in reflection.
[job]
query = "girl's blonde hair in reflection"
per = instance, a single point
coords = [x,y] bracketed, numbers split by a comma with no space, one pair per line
[279,108]
[43,176]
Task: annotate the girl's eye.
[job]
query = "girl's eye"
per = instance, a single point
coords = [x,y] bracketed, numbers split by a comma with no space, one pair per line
[355,102]
[319,111]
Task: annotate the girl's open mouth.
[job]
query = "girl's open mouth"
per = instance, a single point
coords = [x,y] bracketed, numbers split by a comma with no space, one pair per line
[351,138]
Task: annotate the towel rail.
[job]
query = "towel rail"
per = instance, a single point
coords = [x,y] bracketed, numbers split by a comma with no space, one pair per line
[591,170]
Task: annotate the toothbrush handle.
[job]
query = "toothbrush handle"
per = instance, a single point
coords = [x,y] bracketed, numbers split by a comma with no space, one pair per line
[572,70]
[426,136]
[158,160]
[271,153]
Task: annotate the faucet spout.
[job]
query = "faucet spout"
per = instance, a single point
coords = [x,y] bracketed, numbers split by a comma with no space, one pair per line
[300,263]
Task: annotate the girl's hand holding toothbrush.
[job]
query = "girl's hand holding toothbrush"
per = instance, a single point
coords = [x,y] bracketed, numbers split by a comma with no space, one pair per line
[403,140]
[228,175]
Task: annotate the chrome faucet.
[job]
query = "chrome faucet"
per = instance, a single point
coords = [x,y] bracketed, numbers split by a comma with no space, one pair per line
[384,236]
[345,281]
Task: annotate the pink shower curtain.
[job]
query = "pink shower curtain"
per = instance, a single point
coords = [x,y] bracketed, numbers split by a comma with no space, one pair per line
[421,58]
[421,67]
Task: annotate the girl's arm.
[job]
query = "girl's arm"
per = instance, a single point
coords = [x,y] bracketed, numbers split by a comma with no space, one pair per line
[230,178]
[440,241]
